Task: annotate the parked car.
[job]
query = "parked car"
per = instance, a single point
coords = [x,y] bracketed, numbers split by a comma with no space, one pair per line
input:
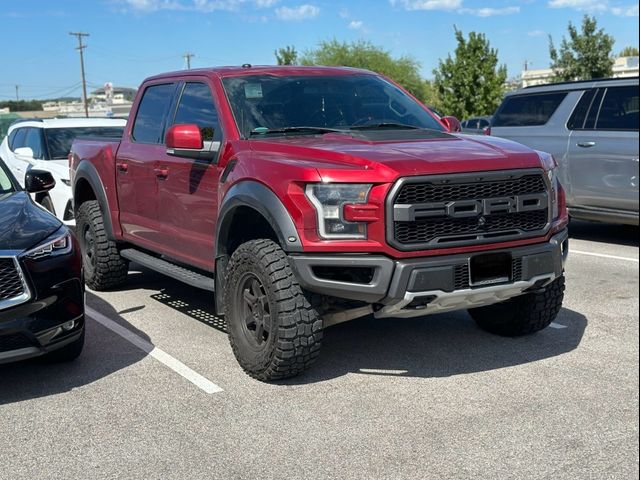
[44,144]
[41,288]
[591,128]
[308,196]
[477,125]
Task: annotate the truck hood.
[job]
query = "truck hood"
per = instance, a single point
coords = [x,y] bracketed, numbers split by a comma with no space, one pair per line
[442,153]
[22,223]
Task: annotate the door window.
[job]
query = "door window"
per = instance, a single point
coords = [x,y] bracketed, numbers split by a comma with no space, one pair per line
[528,110]
[33,140]
[196,107]
[152,113]
[16,138]
[579,115]
[619,110]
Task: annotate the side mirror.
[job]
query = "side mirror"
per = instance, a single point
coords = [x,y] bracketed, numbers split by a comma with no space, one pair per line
[25,153]
[185,140]
[452,124]
[36,181]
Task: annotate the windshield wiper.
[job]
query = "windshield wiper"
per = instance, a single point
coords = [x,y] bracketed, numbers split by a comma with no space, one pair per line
[390,125]
[311,130]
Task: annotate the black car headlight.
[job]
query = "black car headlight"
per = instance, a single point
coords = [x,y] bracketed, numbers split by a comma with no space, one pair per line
[329,200]
[59,243]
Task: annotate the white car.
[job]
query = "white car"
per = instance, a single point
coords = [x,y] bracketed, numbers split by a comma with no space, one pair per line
[44,144]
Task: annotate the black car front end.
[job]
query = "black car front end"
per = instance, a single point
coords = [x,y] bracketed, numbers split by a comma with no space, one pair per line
[41,284]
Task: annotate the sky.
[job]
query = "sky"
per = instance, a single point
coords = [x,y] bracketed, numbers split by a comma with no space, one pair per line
[132,39]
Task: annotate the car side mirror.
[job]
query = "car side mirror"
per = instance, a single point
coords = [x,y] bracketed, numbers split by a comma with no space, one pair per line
[452,124]
[37,181]
[25,153]
[185,140]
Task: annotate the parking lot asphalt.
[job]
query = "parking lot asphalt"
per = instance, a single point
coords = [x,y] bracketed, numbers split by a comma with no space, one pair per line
[157,392]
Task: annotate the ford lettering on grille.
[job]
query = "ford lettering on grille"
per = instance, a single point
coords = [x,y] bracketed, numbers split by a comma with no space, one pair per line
[467,209]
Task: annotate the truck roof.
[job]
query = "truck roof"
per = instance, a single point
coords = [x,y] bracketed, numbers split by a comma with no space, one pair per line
[280,70]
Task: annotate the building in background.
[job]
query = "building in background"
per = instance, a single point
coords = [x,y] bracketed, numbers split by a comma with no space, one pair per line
[623,67]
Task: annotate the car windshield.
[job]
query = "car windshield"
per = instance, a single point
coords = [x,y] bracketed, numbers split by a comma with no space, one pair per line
[59,140]
[6,186]
[299,105]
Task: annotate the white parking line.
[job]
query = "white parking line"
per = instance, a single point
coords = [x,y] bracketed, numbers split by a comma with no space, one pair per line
[602,255]
[160,355]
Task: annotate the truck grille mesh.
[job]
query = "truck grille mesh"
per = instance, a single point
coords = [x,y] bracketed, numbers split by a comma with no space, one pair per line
[444,230]
[10,281]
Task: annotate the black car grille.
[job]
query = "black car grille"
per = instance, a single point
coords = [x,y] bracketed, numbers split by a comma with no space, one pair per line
[439,229]
[11,285]
[14,341]
[461,280]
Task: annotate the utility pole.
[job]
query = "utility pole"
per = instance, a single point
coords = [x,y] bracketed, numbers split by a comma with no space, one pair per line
[188,56]
[526,65]
[80,48]
[17,96]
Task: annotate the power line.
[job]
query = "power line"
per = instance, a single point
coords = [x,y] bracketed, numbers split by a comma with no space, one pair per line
[81,48]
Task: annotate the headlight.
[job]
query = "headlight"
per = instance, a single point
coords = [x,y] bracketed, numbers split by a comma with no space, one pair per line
[57,244]
[555,188]
[329,200]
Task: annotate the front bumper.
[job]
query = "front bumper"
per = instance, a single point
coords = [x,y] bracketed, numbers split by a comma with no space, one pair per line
[428,285]
[53,314]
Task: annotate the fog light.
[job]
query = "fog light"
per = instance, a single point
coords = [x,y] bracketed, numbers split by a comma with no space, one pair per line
[69,325]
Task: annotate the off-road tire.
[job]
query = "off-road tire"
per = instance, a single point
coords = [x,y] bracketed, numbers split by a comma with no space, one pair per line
[295,332]
[524,314]
[104,268]
[68,353]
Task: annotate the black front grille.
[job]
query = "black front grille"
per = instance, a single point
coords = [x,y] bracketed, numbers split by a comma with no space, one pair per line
[430,192]
[438,229]
[10,281]
[461,277]
[14,341]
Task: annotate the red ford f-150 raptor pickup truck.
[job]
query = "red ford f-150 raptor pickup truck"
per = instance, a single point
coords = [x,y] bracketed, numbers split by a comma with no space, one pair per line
[306,196]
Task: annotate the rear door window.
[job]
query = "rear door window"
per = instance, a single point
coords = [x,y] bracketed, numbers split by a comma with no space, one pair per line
[528,110]
[152,113]
[619,110]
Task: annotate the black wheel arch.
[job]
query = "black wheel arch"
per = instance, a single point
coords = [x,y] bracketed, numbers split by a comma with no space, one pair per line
[88,186]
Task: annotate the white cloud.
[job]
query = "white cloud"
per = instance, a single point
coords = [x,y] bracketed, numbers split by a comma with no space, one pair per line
[266,3]
[428,4]
[355,24]
[586,5]
[537,33]
[205,6]
[631,11]
[301,12]
[490,12]
[344,13]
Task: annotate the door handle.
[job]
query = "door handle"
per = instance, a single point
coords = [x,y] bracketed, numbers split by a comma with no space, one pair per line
[586,144]
[122,167]
[161,173]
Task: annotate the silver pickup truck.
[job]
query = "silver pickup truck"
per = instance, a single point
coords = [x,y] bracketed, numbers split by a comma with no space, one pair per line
[591,128]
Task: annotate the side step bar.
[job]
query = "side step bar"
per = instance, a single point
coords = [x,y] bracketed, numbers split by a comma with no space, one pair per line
[169,269]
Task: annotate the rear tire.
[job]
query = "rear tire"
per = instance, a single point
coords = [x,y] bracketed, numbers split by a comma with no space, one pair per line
[68,353]
[274,331]
[104,268]
[524,314]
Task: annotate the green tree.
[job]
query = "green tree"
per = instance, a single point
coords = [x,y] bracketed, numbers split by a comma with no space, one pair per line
[629,52]
[361,54]
[287,55]
[584,55]
[471,82]
[22,105]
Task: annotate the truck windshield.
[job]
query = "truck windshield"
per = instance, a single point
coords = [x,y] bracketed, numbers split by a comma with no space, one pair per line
[269,104]
[6,186]
[59,140]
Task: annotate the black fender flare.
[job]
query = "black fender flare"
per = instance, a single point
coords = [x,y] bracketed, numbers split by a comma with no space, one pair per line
[257,196]
[87,171]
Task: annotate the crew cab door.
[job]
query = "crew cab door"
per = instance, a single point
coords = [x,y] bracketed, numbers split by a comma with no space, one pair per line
[603,154]
[141,150]
[188,188]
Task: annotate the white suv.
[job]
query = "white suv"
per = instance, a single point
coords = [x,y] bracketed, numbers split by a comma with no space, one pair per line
[44,145]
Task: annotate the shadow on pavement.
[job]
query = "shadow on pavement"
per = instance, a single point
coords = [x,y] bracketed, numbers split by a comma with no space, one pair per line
[104,354]
[433,346]
[604,233]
